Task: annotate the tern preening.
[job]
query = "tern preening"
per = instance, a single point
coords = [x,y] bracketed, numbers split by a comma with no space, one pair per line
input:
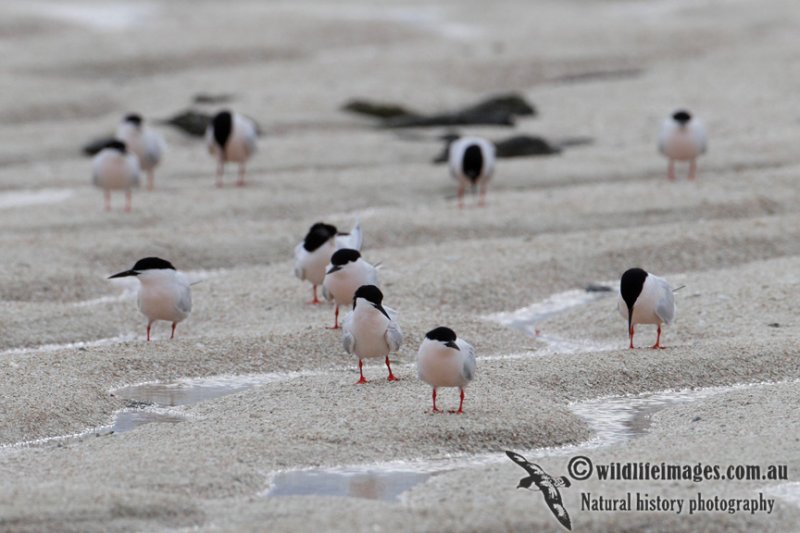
[346,272]
[444,360]
[114,168]
[144,142]
[370,330]
[541,480]
[313,254]
[682,138]
[231,137]
[164,293]
[645,299]
[472,161]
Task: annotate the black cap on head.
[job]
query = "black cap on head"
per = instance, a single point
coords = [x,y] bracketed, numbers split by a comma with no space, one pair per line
[117,145]
[148,263]
[133,118]
[630,287]
[682,116]
[344,256]
[223,126]
[370,293]
[319,234]
[443,334]
[373,295]
[152,263]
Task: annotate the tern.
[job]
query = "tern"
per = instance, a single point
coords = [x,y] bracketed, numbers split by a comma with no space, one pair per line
[371,330]
[444,360]
[164,294]
[144,142]
[313,254]
[682,138]
[472,161]
[231,137]
[115,169]
[645,299]
[346,272]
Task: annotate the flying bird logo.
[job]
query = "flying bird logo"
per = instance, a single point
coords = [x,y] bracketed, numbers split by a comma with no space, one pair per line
[541,480]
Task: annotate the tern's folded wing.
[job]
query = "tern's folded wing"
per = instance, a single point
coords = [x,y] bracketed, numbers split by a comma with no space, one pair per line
[394,337]
[468,352]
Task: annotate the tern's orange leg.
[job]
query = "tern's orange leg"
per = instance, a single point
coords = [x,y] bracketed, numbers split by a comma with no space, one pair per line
[128,197]
[336,318]
[240,183]
[671,170]
[460,195]
[173,330]
[631,334]
[315,300]
[657,345]
[435,410]
[148,331]
[362,380]
[692,168]
[391,376]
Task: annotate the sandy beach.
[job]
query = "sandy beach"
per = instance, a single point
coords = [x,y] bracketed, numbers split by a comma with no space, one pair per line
[259,426]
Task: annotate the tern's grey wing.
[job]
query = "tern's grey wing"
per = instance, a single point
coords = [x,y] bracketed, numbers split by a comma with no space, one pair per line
[352,240]
[470,365]
[665,307]
[372,276]
[184,303]
[394,337]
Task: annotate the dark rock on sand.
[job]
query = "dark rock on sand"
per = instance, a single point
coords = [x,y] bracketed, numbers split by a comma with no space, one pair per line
[515,146]
[96,144]
[206,98]
[377,109]
[596,287]
[190,121]
[496,110]
[195,122]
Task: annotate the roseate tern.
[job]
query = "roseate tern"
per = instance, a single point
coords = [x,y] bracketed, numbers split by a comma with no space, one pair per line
[144,142]
[371,330]
[645,299]
[313,254]
[115,169]
[472,161]
[346,273]
[231,137]
[682,138]
[164,294]
[444,360]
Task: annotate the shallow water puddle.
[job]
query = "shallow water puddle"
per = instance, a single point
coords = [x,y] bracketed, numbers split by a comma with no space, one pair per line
[527,319]
[79,345]
[386,485]
[29,197]
[615,420]
[151,398]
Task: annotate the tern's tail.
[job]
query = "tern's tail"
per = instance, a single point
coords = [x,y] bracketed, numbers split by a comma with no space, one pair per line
[356,237]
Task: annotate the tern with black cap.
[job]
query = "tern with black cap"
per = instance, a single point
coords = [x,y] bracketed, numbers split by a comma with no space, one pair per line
[114,168]
[645,299]
[346,272]
[444,360]
[164,293]
[472,161]
[682,138]
[313,254]
[370,330]
[231,137]
[143,142]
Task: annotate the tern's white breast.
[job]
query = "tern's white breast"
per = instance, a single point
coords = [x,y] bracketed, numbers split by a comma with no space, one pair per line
[146,144]
[440,366]
[314,263]
[343,283]
[682,143]
[164,295]
[114,170]
[368,328]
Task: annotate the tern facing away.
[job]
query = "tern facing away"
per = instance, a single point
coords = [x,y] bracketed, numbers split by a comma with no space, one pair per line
[231,137]
[115,169]
[164,294]
[145,143]
[472,161]
[682,138]
[444,360]
[645,299]
[371,330]
[313,254]
[346,272]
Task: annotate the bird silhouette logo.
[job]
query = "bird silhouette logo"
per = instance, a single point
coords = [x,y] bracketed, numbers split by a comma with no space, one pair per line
[541,480]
